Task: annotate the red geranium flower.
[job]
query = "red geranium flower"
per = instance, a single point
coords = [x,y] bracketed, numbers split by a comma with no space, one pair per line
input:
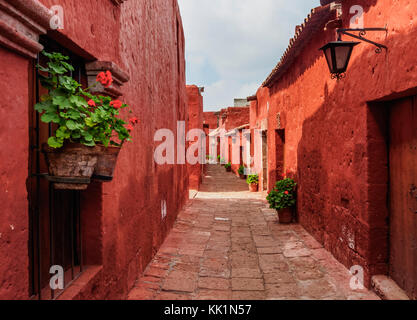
[101,77]
[117,104]
[286,192]
[129,127]
[91,103]
[105,78]
[109,79]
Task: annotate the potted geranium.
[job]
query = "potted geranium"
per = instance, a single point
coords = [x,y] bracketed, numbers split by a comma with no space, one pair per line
[283,199]
[87,134]
[241,172]
[253,182]
[228,167]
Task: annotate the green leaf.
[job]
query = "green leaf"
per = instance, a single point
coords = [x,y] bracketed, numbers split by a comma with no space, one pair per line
[87,136]
[76,134]
[62,102]
[89,143]
[67,66]
[63,133]
[57,68]
[78,101]
[74,115]
[89,122]
[50,117]
[54,142]
[43,106]
[72,125]
[42,69]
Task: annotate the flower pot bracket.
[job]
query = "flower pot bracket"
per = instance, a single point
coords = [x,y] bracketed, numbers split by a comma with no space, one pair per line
[69,180]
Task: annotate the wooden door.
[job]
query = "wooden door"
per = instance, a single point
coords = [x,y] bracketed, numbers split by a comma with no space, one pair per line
[403,194]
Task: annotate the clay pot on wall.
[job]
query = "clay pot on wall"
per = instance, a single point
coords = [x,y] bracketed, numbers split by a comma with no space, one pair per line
[285,216]
[72,166]
[253,187]
[106,163]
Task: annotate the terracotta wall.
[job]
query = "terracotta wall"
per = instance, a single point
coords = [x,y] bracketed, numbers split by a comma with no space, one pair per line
[146,40]
[332,136]
[14,223]
[195,111]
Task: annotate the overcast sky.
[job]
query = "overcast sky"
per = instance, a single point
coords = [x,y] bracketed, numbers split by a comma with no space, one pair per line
[233,45]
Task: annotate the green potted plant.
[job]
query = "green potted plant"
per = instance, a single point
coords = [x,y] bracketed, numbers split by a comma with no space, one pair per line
[88,133]
[283,199]
[219,159]
[241,172]
[228,167]
[253,182]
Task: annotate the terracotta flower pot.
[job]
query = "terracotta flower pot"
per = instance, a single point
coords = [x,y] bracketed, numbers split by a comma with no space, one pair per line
[106,163]
[253,187]
[72,166]
[285,216]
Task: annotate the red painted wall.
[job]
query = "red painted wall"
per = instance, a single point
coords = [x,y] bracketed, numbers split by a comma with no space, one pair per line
[332,138]
[234,117]
[195,111]
[14,222]
[146,40]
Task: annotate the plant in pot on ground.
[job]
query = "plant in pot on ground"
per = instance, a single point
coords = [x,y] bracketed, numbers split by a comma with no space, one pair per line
[241,172]
[283,199]
[88,133]
[228,167]
[253,182]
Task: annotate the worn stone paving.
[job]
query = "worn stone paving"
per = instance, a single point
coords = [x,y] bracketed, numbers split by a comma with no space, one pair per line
[227,245]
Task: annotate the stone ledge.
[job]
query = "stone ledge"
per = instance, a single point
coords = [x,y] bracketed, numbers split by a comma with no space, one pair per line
[387,289]
[119,78]
[21,24]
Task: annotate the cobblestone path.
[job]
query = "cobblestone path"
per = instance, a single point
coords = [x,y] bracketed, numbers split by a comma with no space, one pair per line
[228,245]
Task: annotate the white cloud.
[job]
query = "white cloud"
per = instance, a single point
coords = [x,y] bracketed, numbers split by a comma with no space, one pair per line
[232,45]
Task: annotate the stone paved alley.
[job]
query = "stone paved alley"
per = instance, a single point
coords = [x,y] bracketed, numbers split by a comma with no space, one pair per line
[227,244]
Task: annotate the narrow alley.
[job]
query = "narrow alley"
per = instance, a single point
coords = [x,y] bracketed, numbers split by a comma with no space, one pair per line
[227,244]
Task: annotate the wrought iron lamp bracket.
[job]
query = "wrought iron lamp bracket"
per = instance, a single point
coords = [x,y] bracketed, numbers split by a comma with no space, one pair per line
[361,36]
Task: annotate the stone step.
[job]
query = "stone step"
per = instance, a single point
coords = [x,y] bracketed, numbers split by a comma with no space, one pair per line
[387,289]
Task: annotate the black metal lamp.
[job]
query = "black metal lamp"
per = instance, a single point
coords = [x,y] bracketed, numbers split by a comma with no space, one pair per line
[338,55]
